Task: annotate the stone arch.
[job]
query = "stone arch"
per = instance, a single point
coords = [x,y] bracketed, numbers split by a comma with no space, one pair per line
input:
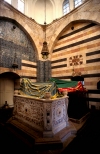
[71,24]
[12,75]
[10,82]
[85,12]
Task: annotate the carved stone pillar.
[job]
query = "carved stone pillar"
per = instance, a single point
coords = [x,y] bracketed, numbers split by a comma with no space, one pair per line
[55,116]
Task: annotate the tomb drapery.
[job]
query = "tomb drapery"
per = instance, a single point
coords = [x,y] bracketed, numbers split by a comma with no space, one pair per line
[54,86]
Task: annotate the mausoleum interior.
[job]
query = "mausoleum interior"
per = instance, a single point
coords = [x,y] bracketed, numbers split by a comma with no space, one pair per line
[49,69]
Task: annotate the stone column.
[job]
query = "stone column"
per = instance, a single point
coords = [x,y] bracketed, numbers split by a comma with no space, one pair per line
[43,71]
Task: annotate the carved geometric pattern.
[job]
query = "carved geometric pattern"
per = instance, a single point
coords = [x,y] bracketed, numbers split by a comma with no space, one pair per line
[29,109]
[76,60]
[59,112]
[48,117]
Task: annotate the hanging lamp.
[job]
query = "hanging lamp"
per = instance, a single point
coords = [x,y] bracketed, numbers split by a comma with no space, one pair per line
[45,51]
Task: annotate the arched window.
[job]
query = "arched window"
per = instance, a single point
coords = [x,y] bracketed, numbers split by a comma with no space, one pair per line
[8,1]
[21,5]
[65,7]
[77,3]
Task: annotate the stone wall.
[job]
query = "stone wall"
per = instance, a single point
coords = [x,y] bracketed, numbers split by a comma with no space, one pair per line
[16,46]
[86,49]
[78,48]
[88,11]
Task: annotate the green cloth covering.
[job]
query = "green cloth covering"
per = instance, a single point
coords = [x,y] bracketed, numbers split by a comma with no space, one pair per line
[37,90]
[34,89]
[64,84]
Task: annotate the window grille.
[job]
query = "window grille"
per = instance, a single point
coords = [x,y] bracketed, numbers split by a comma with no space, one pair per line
[66,7]
[77,3]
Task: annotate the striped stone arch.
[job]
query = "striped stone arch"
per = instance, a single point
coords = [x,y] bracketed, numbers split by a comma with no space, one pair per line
[88,11]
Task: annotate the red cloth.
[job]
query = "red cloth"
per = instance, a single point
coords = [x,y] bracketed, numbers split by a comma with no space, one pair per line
[72,89]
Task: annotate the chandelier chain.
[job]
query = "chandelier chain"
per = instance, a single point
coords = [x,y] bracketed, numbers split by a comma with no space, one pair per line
[45,20]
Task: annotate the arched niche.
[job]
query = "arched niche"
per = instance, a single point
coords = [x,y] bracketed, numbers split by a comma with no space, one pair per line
[11,75]
[9,82]
[39,11]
